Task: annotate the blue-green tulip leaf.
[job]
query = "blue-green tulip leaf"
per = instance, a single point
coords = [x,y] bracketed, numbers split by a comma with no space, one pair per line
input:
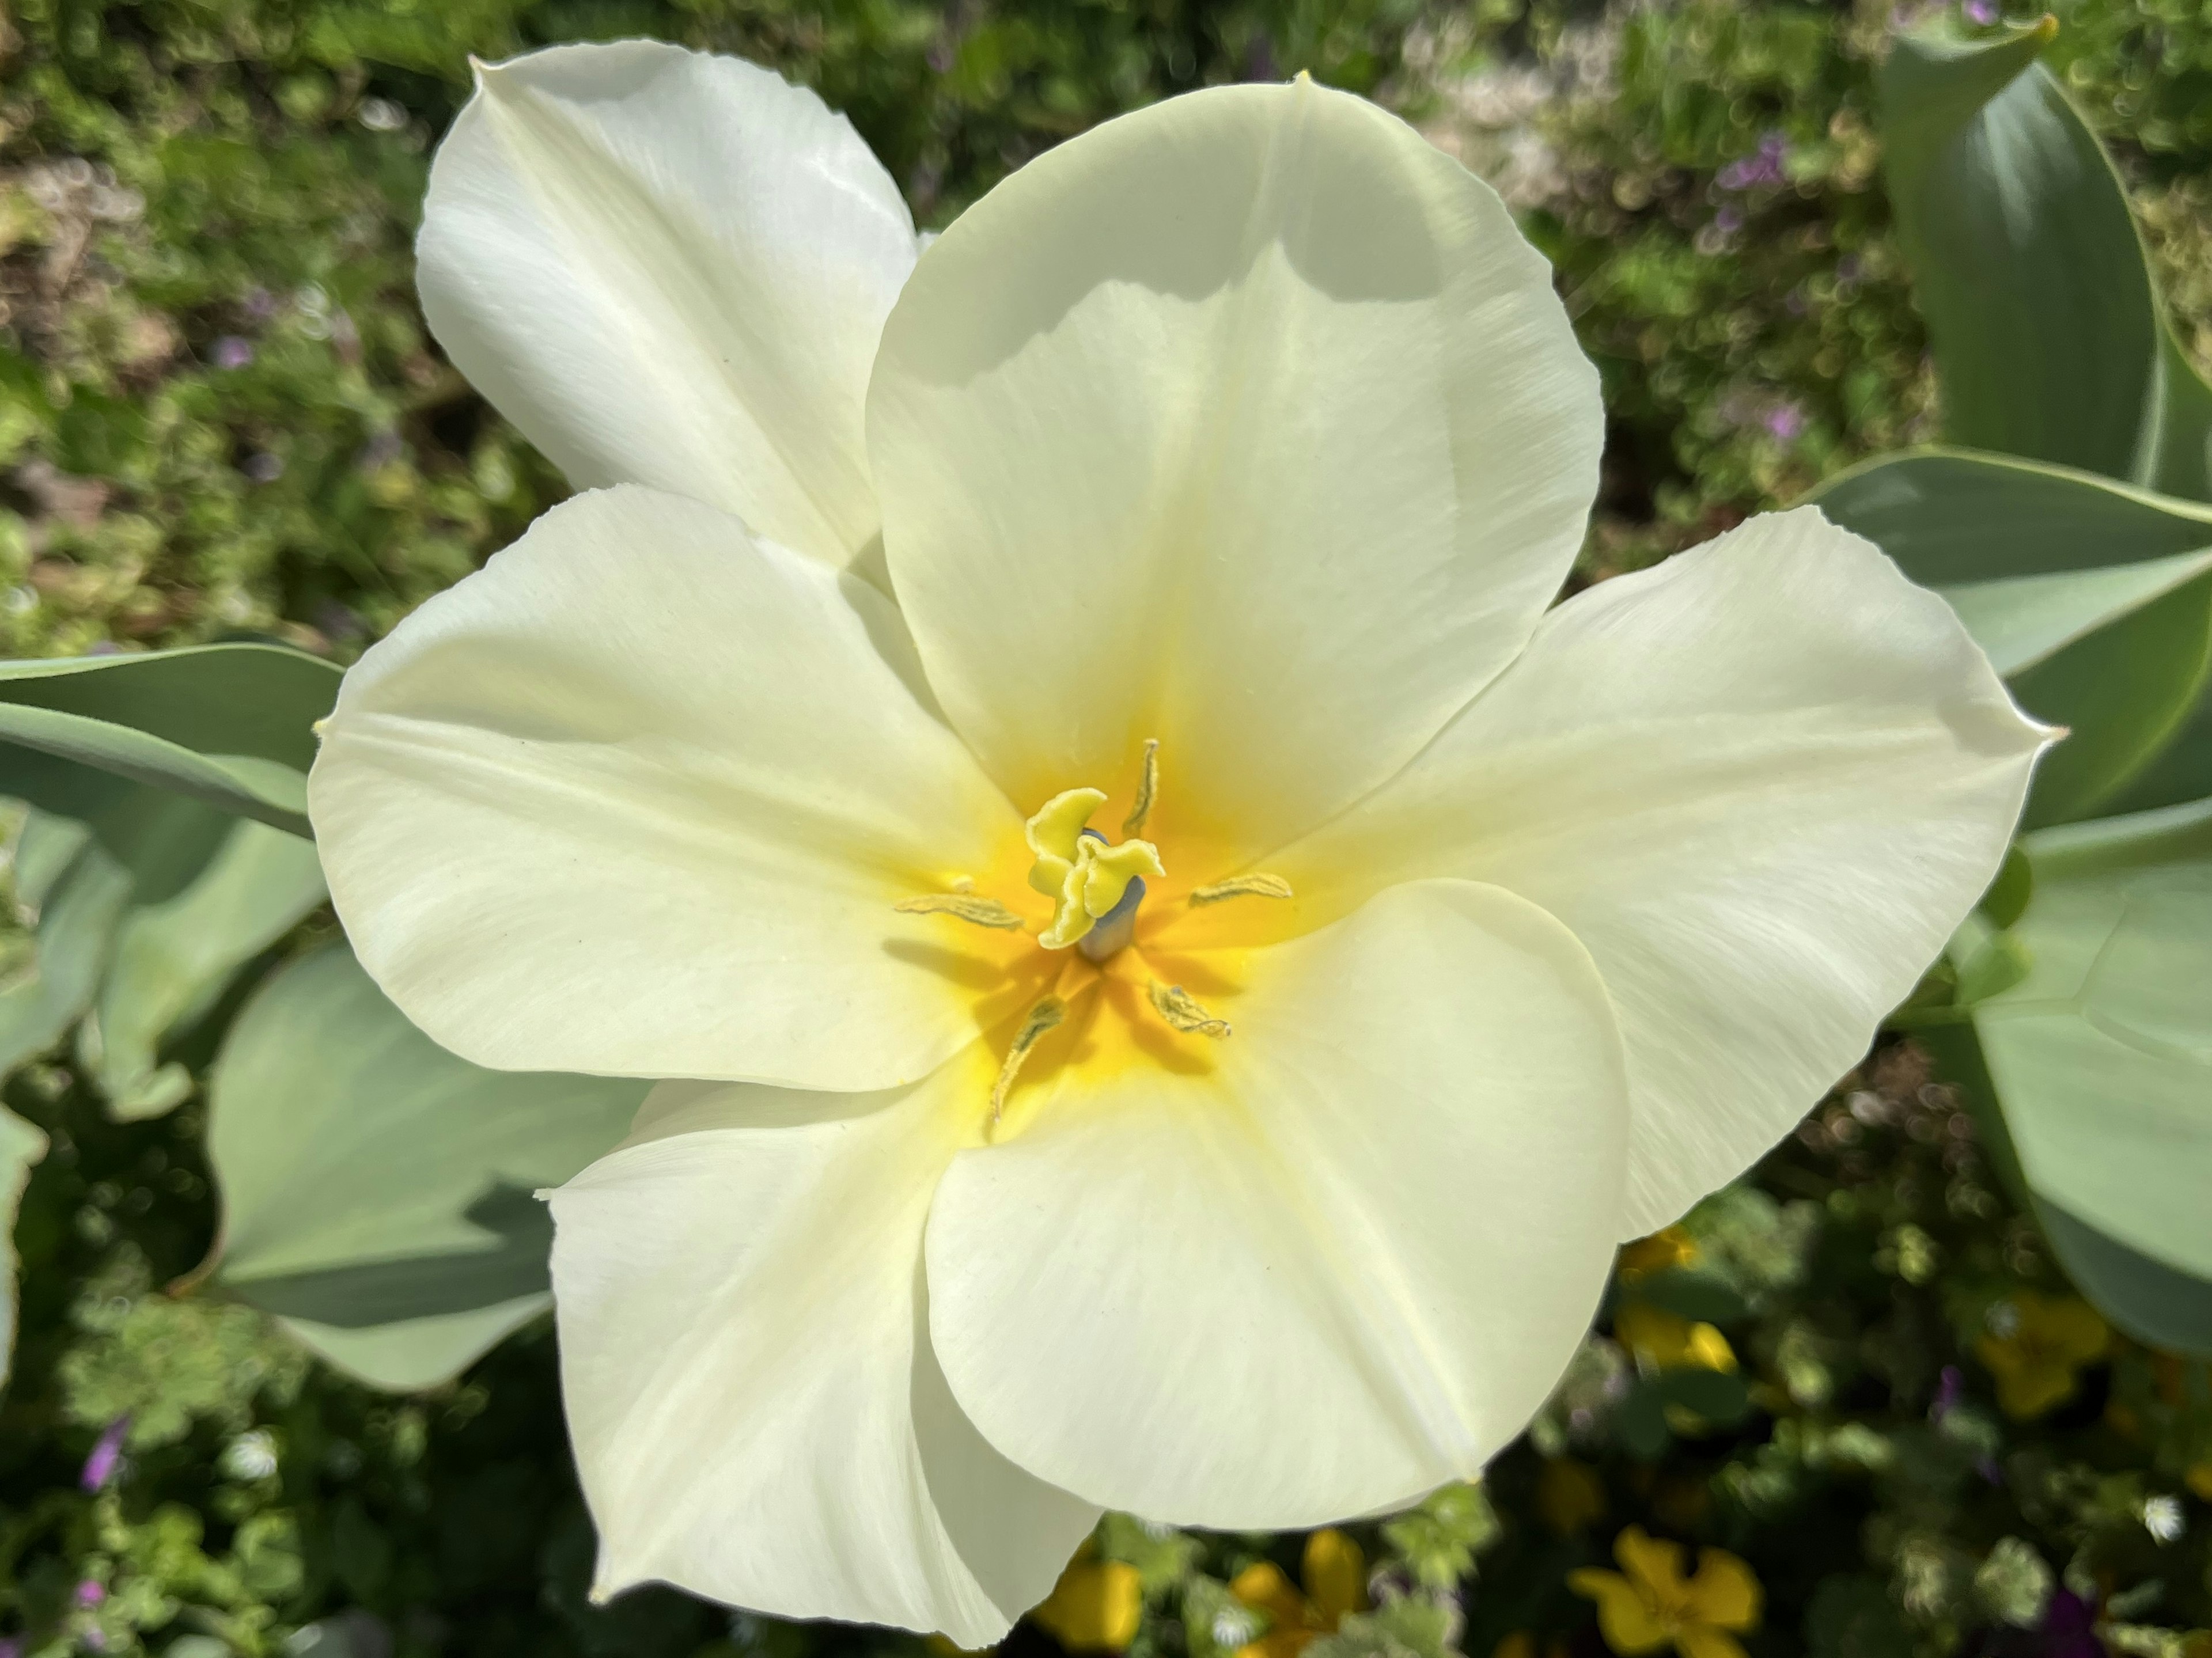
[2094,598]
[21,1145]
[2101,1055]
[78,893]
[2145,1297]
[378,1192]
[148,903]
[228,724]
[2050,339]
[173,959]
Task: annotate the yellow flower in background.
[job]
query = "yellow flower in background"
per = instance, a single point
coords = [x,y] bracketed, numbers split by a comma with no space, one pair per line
[1334,1573]
[1648,1605]
[1666,1341]
[1670,1246]
[2036,1348]
[1097,1605]
[1160,941]
[2198,1477]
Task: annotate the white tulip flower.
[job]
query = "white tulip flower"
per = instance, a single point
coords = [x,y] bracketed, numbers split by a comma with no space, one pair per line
[1179,967]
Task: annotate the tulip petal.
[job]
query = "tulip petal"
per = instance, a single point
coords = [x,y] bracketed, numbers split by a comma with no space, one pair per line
[756,1414]
[636,800]
[670,269]
[1248,422]
[1339,1257]
[1762,783]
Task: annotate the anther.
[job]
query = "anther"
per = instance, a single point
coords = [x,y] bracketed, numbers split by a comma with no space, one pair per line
[983,912]
[1181,1010]
[1243,886]
[1044,1017]
[1148,788]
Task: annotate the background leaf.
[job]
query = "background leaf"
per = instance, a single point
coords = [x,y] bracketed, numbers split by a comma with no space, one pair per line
[21,1147]
[2102,1057]
[2050,339]
[229,725]
[2093,598]
[148,904]
[377,1191]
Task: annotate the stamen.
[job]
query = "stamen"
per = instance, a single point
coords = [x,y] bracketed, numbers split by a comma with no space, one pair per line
[1243,886]
[1044,1017]
[983,912]
[1181,1010]
[1148,787]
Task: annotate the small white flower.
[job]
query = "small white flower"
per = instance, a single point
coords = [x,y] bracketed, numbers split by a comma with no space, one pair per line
[1075,1122]
[2163,1519]
[1233,1627]
[252,1455]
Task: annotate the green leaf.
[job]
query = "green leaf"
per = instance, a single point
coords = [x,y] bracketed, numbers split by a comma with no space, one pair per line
[20,1147]
[377,1191]
[1690,1292]
[2093,598]
[228,724]
[173,958]
[2050,339]
[2149,1300]
[2007,899]
[78,893]
[2101,1055]
[1720,1396]
[148,906]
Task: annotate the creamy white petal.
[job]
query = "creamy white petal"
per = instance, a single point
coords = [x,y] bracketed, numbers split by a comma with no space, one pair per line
[671,269]
[1762,783]
[1340,1256]
[637,798]
[1248,421]
[756,1414]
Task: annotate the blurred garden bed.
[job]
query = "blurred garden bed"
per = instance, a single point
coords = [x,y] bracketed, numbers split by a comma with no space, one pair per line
[219,414]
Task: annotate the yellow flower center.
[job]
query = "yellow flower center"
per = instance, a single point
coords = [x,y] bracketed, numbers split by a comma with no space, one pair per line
[1090,880]
[1081,986]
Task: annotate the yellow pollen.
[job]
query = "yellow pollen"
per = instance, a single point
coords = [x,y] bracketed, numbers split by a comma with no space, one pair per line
[983,912]
[1044,1017]
[1243,886]
[1181,1010]
[1148,787]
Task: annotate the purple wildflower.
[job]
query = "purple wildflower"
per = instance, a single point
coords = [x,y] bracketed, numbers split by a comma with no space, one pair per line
[91,1593]
[1982,12]
[106,1456]
[11,1647]
[1764,166]
[1784,422]
[232,352]
[1728,221]
[260,304]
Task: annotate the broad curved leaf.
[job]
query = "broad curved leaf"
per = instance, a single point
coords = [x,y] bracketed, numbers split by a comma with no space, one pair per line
[2050,342]
[21,1145]
[2101,1055]
[228,724]
[147,904]
[2146,1298]
[378,1192]
[2093,598]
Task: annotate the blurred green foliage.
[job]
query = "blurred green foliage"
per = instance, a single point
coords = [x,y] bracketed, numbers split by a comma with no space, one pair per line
[219,413]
